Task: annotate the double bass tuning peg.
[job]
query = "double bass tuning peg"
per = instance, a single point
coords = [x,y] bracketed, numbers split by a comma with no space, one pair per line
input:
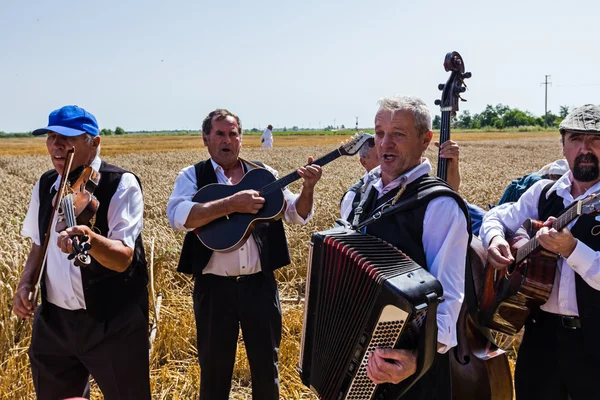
[466,75]
[441,86]
[437,102]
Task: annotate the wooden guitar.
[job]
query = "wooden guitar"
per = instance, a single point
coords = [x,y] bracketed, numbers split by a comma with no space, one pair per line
[510,295]
[230,232]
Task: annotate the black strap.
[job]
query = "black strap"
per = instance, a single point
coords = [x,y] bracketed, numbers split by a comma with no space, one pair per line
[412,201]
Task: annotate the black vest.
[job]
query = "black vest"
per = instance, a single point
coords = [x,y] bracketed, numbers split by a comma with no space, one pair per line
[269,236]
[404,229]
[105,290]
[356,189]
[588,298]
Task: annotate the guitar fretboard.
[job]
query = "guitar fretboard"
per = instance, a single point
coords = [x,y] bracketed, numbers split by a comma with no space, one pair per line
[292,177]
[560,223]
[442,169]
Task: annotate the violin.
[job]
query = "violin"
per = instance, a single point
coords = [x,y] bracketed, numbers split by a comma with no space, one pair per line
[78,206]
[479,367]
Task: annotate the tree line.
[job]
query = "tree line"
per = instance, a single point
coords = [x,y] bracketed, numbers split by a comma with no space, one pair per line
[118,131]
[502,116]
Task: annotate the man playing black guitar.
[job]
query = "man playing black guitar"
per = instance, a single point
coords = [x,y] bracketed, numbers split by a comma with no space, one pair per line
[559,356]
[235,287]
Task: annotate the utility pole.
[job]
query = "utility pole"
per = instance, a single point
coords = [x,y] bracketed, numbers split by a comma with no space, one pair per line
[546,83]
[356,123]
[333,122]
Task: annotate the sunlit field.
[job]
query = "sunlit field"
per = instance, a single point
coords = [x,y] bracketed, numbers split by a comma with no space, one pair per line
[489,161]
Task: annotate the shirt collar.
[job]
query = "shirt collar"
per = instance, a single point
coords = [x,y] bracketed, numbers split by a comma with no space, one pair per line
[402,180]
[562,187]
[218,168]
[95,164]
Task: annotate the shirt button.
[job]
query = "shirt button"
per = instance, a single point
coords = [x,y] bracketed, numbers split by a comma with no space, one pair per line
[243,266]
[72,298]
[242,248]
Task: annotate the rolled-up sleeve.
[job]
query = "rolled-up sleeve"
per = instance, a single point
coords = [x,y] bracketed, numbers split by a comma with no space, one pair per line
[126,211]
[510,216]
[445,241]
[180,202]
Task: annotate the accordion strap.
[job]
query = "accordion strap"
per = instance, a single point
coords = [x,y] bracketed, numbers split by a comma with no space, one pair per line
[408,203]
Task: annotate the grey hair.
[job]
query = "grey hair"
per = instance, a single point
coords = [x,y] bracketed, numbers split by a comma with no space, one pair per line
[89,139]
[419,109]
[364,150]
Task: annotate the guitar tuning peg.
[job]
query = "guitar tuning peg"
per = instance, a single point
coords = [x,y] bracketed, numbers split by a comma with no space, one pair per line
[441,86]
[437,102]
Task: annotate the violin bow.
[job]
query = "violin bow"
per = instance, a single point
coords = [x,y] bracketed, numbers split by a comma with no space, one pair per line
[39,272]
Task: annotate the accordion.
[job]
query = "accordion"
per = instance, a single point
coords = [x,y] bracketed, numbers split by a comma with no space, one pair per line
[362,294]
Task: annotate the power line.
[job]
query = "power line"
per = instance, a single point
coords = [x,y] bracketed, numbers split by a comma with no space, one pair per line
[579,85]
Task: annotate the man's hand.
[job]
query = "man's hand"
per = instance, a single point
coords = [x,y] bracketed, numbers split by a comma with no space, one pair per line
[246,201]
[561,242]
[499,255]
[391,365]
[449,149]
[64,241]
[21,304]
[311,174]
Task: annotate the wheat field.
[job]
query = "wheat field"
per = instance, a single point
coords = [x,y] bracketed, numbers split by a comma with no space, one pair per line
[488,163]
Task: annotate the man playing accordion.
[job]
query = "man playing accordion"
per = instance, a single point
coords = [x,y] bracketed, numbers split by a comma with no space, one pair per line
[435,235]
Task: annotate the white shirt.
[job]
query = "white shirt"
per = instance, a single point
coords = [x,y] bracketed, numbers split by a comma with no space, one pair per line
[243,261]
[583,260]
[63,279]
[445,240]
[346,204]
[267,136]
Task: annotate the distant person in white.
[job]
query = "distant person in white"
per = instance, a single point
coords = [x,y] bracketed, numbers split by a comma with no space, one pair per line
[267,138]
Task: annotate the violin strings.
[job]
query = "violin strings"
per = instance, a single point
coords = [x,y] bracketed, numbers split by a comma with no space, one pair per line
[68,210]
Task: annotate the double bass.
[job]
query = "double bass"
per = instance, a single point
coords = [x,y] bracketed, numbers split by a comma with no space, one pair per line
[479,368]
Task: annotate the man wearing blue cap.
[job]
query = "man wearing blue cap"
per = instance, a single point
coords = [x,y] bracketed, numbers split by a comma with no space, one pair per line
[93,319]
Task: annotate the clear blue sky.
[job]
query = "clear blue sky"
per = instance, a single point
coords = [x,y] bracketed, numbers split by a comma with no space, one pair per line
[156,64]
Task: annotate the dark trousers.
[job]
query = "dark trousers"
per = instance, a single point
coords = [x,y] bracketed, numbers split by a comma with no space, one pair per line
[435,384]
[221,306]
[67,346]
[553,364]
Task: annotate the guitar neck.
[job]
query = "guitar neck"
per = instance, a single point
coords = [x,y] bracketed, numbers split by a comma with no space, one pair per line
[442,169]
[292,177]
[559,224]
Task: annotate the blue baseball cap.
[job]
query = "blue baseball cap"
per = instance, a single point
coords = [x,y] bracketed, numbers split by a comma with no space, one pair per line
[70,121]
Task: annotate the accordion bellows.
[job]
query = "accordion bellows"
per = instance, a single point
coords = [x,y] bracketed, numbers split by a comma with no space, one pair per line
[361,294]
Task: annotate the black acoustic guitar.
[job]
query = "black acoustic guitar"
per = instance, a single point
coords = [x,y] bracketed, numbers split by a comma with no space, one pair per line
[230,232]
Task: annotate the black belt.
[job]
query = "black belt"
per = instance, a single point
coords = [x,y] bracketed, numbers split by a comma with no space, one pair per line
[240,278]
[565,321]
